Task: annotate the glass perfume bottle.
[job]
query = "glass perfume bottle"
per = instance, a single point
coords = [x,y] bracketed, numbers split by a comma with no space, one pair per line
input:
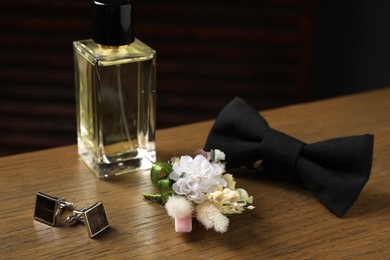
[115,93]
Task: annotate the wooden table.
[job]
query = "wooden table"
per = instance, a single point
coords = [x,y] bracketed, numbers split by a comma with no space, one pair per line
[287,222]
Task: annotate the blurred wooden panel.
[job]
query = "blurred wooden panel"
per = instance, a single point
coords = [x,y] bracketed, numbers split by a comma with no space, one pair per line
[208,52]
[211,51]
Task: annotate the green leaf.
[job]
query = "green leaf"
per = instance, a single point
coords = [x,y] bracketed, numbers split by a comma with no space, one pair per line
[249,200]
[160,170]
[164,186]
[154,197]
[212,155]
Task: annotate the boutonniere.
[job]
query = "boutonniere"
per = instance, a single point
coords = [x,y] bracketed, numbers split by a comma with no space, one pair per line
[198,187]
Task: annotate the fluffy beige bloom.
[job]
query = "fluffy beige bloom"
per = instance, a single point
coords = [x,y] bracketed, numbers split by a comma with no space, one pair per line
[179,207]
[211,217]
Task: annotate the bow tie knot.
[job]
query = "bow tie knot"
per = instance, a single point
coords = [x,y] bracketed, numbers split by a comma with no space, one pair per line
[282,150]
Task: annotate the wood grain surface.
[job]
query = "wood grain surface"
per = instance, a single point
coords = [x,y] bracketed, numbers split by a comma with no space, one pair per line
[288,221]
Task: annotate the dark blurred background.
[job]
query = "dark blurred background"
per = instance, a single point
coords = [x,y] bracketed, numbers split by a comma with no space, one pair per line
[270,52]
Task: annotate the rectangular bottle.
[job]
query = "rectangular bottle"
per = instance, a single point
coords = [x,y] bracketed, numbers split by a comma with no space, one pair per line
[115,98]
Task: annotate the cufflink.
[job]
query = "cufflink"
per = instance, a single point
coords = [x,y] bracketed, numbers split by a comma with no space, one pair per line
[48,207]
[94,218]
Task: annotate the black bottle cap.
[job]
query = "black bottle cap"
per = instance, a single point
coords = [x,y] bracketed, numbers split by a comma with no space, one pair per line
[113,22]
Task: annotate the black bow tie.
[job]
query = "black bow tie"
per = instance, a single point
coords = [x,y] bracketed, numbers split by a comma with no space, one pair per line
[335,171]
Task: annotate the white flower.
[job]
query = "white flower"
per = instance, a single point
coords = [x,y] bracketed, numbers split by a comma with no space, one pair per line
[218,155]
[194,177]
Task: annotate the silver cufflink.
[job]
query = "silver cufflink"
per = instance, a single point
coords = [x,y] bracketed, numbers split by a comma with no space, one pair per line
[94,218]
[48,207]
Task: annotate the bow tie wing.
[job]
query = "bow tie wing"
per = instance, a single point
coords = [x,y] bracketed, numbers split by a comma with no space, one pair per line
[336,170]
[238,131]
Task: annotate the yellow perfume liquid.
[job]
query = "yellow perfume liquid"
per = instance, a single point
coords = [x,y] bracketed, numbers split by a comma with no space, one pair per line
[115,97]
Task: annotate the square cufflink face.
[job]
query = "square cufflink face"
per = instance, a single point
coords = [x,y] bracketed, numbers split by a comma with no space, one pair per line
[46,208]
[95,219]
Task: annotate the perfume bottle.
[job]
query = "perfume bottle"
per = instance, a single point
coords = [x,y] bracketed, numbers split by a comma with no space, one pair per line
[115,93]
